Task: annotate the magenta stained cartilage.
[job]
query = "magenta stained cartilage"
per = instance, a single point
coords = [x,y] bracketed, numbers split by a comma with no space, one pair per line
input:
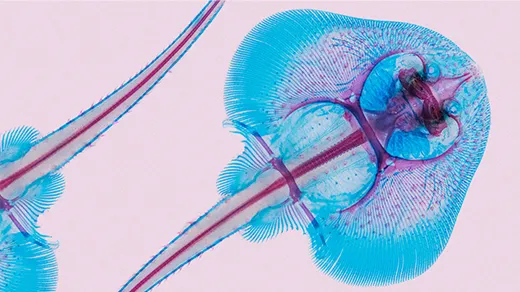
[30,181]
[363,134]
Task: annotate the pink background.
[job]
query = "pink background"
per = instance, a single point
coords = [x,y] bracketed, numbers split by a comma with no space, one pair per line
[156,170]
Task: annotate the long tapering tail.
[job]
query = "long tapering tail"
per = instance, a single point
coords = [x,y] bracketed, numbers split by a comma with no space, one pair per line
[54,150]
[221,221]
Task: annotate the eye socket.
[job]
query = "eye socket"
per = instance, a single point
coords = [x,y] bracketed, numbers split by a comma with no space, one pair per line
[452,107]
[432,71]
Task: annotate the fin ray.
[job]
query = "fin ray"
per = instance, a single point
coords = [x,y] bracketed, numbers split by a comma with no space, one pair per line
[242,171]
[16,142]
[275,220]
[37,198]
[26,266]
[402,229]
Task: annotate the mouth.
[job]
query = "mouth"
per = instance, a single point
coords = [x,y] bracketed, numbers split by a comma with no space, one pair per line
[433,95]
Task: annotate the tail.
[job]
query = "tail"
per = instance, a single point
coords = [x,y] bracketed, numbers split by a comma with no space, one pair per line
[54,150]
[224,219]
